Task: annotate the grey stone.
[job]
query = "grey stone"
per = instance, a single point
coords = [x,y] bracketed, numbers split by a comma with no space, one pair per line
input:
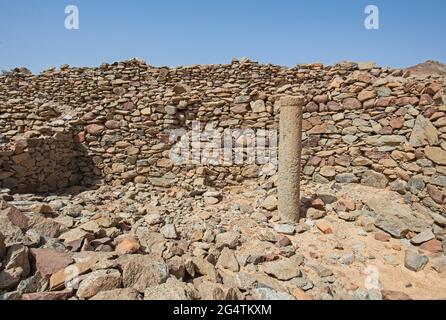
[169,231]
[285,229]
[416,185]
[346,178]
[414,261]
[439,264]
[423,237]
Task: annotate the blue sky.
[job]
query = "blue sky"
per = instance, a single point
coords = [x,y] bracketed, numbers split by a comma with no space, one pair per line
[185,32]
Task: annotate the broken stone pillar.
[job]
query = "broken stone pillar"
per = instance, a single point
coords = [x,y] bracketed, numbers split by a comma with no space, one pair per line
[290,151]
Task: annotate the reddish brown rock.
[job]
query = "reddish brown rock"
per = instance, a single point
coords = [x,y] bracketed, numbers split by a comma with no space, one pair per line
[435,194]
[352,104]
[112,124]
[312,107]
[95,129]
[79,137]
[324,227]
[282,240]
[16,217]
[433,246]
[382,237]
[383,102]
[49,261]
[128,246]
[318,204]
[397,123]
[333,106]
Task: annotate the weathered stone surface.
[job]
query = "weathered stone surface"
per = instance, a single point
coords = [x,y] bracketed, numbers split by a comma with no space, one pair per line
[394,295]
[142,272]
[414,261]
[169,231]
[227,239]
[423,133]
[396,218]
[270,203]
[227,260]
[47,296]
[270,294]
[423,237]
[49,261]
[374,179]
[285,269]
[97,281]
[118,295]
[128,246]
[436,154]
[171,290]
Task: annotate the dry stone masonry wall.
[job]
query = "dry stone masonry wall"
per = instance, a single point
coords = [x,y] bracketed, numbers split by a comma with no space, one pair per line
[362,123]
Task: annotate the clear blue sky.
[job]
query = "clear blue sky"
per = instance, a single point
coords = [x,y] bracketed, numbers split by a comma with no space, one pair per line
[185,32]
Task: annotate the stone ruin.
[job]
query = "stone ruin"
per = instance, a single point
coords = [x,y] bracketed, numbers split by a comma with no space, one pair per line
[361,123]
[68,130]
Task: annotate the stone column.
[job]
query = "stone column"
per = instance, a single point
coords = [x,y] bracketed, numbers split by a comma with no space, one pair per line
[290,154]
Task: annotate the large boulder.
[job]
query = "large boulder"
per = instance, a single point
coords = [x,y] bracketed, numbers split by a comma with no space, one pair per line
[142,272]
[97,281]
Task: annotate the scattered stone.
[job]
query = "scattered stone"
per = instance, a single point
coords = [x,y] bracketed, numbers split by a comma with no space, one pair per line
[169,231]
[227,239]
[436,154]
[270,203]
[128,246]
[264,294]
[141,272]
[382,237]
[118,295]
[172,290]
[285,269]
[49,261]
[285,229]
[423,237]
[433,246]
[227,260]
[324,227]
[394,295]
[315,214]
[414,261]
[49,296]
[97,281]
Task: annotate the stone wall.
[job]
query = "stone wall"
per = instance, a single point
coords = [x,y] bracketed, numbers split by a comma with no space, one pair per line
[362,123]
[47,161]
